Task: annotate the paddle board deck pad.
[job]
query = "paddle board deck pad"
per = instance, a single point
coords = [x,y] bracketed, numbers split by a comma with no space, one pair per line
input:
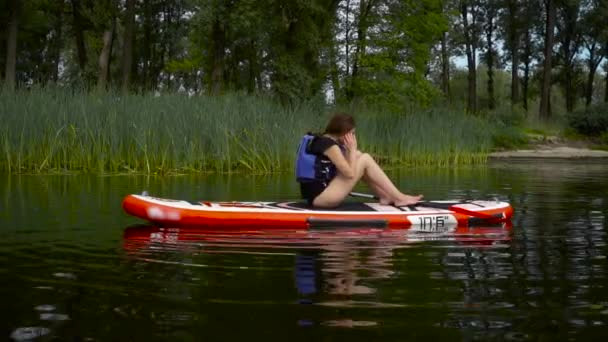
[431,215]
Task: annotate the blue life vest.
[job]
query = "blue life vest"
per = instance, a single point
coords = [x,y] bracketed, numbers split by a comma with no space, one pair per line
[312,167]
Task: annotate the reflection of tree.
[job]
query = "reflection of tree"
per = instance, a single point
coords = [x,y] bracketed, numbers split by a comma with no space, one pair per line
[547,280]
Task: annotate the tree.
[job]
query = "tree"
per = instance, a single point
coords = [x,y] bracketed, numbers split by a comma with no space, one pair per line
[545,95]
[606,78]
[366,8]
[128,36]
[107,17]
[514,25]
[530,46]
[78,28]
[596,32]
[470,26]
[445,53]
[11,44]
[490,11]
[569,38]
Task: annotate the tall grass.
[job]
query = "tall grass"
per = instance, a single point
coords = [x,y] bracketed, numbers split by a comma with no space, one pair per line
[59,130]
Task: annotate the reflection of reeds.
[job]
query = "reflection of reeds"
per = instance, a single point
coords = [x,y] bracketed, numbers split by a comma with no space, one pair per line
[56,130]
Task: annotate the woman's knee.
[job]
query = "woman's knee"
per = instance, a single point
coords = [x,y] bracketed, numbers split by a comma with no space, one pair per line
[364,157]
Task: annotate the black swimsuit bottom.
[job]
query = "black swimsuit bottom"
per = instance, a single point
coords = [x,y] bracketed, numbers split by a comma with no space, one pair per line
[310,190]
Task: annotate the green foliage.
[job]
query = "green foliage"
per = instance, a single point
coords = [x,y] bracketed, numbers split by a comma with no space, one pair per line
[604,138]
[508,116]
[509,138]
[393,68]
[370,51]
[591,121]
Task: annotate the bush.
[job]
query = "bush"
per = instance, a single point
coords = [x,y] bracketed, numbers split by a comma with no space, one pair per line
[592,121]
[509,138]
[604,138]
[507,116]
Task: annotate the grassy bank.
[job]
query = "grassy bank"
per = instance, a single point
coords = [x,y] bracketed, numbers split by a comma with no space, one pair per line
[58,130]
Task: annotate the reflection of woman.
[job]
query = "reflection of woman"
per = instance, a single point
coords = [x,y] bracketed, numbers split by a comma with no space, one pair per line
[330,165]
[346,264]
[338,269]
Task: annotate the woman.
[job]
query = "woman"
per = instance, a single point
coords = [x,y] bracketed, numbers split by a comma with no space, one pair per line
[330,165]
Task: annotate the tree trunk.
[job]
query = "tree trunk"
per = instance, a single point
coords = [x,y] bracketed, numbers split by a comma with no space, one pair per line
[514,42]
[57,44]
[218,38]
[105,55]
[11,45]
[589,88]
[471,61]
[365,8]
[526,82]
[166,45]
[568,66]
[527,53]
[515,78]
[333,72]
[78,27]
[347,39]
[606,68]
[490,61]
[593,62]
[545,94]
[569,35]
[253,67]
[127,53]
[606,89]
[445,66]
[147,46]
[570,93]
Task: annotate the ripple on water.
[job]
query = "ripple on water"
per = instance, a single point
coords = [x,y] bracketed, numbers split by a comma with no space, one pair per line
[65,275]
[29,333]
[50,316]
[45,307]
[349,323]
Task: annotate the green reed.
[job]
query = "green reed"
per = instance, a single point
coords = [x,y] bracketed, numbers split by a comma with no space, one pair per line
[60,130]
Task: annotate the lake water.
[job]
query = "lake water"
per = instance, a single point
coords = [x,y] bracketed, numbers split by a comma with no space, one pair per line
[74,266]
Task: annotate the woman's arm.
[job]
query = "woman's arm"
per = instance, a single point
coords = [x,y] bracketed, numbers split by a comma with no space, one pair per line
[345,165]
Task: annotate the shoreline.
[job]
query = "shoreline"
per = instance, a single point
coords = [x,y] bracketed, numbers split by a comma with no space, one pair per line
[548,152]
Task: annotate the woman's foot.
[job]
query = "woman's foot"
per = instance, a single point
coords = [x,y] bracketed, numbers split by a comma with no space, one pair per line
[407,200]
[385,201]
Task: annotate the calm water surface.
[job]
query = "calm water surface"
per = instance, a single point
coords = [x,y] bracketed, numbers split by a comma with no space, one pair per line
[75,267]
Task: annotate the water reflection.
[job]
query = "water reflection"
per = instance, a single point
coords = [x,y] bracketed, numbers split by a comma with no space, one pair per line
[344,268]
[70,274]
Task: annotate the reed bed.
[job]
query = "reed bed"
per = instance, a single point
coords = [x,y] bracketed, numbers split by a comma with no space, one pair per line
[59,130]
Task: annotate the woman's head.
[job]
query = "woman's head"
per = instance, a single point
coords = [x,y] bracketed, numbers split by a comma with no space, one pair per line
[340,124]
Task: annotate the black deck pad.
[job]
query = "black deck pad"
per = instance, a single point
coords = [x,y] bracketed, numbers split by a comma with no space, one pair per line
[347,206]
[442,205]
[360,206]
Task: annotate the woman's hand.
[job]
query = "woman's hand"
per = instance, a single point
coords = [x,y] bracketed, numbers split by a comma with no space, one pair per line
[350,142]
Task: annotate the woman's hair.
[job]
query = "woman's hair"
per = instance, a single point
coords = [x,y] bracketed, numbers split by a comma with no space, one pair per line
[340,124]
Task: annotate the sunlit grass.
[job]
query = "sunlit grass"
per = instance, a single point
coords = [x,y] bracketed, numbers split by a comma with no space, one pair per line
[59,130]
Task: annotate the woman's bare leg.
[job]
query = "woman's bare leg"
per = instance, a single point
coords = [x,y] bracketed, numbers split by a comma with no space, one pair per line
[375,174]
[383,197]
[341,186]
